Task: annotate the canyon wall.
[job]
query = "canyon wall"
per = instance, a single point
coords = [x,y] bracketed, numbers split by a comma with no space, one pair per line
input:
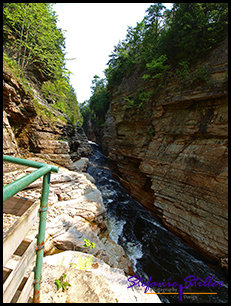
[33,130]
[31,127]
[170,153]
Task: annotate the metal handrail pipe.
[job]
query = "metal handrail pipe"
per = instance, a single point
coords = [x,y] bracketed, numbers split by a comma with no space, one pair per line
[28,163]
[41,236]
[12,188]
[16,186]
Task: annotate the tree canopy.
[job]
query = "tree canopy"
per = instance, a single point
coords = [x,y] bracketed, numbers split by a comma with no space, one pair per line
[183,33]
[30,36]
[165,40]
[32,39]
[98,104]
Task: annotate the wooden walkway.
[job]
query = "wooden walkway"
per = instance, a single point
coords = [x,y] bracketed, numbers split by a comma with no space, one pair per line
[16,287]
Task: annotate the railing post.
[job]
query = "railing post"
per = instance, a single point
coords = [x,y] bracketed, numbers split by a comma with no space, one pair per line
[41,236]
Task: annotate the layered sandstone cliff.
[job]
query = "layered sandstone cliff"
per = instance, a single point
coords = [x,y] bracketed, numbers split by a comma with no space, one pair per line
[32,127]
[76,210]
[171,153]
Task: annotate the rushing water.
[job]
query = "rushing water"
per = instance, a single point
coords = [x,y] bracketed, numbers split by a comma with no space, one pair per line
[152,249]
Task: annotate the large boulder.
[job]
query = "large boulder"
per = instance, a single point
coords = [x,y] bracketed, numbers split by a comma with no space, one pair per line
[96,284]
[76,211]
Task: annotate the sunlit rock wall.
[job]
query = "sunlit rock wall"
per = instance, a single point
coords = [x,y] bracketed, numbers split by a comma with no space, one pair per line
[171,153]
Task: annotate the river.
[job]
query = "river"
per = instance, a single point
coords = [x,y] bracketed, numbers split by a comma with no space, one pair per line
[152,249]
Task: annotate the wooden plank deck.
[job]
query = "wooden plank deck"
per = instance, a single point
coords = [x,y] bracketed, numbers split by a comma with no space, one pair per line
[16,206]
[17,287]
[15,235]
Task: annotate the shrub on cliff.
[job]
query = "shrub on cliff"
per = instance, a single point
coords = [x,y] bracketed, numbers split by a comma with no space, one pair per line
[183,33]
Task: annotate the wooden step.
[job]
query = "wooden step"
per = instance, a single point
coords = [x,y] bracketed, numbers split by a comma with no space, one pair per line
[16,206]
[17,287]
[27,210]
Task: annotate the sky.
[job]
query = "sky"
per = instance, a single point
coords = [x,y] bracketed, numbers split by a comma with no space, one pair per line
[91,32]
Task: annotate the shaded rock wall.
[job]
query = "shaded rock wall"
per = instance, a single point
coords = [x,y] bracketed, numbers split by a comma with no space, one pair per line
[28,132]
[10,146]
[171,154]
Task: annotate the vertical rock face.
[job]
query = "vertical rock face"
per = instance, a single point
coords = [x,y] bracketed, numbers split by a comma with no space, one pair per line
[10,146]
[171,154]
[27,131]
[90,131]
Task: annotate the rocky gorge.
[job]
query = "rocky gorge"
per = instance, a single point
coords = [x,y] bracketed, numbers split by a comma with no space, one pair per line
[34,130]
[32,127]
[76,212]
[170,151]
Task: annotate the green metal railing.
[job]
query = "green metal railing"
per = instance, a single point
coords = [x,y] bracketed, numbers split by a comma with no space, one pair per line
[16,186]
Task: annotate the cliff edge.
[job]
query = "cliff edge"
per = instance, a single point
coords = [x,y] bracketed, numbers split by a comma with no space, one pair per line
[171,151]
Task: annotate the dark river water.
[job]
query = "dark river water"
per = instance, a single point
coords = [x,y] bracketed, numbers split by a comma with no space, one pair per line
[153,250]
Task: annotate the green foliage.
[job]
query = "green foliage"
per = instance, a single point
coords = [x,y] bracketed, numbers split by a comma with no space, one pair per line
[178,35]
[34,48]
[86,113]
[14,67]
[54,91]
[193,29]
[72,106]
[84,263]
[144,96]
[157,68]
[201,75]
[88,243]
[96,108]
[45,113]
[30,37]
[99,101]
[16,71]
[135,103]
[183,72]
[61,284]
[146,76]
[63,97]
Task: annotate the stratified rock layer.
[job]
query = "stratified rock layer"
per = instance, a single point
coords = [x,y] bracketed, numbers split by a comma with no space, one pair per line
[171,154]
[38,131]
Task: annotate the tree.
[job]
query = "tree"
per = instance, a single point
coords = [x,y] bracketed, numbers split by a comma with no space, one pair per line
[180,34]
[99,101]
[72,107]
[194,29]
[86,113]
[154,17]
[32,38]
